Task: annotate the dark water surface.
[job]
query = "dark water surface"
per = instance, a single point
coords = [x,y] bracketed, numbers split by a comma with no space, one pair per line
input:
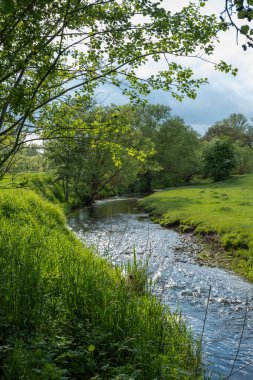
[116,228]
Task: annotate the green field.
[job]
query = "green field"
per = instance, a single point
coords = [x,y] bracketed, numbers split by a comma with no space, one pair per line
[221,212]
[68,314]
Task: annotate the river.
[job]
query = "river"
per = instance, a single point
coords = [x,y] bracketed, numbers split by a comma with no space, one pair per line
[115,228]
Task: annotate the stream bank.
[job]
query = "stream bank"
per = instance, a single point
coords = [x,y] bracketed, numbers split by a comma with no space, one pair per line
[116,228]
[66,313]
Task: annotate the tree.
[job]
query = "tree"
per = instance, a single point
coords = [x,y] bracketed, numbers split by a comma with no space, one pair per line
[50,48]
[29,159]
[244,159]
[148,119]
[175,143]
[177,152]
[219,158]
[236,127]
[103,154]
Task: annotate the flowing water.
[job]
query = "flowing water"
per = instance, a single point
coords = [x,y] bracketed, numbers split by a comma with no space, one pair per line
[116,229]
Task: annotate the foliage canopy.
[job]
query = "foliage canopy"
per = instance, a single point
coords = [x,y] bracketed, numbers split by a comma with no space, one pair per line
[219,158]
[50,48]
[236,127]
[95,151]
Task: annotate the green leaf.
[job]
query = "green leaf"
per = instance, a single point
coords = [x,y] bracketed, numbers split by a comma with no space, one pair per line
[91,348]
[245,29]
[8,6]
[242,14]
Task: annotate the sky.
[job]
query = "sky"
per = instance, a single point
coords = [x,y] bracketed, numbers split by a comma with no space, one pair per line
[223,95]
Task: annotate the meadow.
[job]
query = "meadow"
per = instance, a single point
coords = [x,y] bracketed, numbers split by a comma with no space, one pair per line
[68,314]
[220,213]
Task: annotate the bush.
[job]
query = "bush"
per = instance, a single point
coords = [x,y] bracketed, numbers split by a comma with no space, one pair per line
[219,158]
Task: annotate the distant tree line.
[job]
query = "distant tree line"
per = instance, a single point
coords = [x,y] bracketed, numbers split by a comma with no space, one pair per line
[102,151]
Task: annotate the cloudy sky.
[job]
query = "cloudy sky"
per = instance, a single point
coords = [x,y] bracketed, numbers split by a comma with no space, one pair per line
[223,95]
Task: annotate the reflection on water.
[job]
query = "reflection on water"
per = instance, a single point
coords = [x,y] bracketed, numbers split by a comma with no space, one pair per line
[116,228]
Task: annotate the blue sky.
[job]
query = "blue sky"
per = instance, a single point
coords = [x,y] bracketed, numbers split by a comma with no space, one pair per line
[223,95]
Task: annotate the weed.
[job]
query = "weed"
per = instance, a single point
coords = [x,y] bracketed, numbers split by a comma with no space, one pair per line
[136,275]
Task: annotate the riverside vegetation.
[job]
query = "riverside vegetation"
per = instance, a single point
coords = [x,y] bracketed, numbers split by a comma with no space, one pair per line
[221,213]
[66,313]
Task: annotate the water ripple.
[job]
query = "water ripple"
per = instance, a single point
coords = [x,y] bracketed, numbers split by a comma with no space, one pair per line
[116,229]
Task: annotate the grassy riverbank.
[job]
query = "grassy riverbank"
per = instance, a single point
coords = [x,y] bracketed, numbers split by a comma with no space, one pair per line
[221,212]
[44,184]
[67,314]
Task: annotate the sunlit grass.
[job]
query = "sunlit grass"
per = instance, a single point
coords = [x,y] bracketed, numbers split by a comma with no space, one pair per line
[225,208]
[68,314]
[45,184]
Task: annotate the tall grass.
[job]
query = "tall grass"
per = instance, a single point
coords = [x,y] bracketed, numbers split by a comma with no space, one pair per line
[45,184]
[67,314]
[222,211]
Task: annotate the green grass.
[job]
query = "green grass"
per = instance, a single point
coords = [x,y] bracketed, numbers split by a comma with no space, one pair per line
[223,208]
[45,184]
[68,314]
